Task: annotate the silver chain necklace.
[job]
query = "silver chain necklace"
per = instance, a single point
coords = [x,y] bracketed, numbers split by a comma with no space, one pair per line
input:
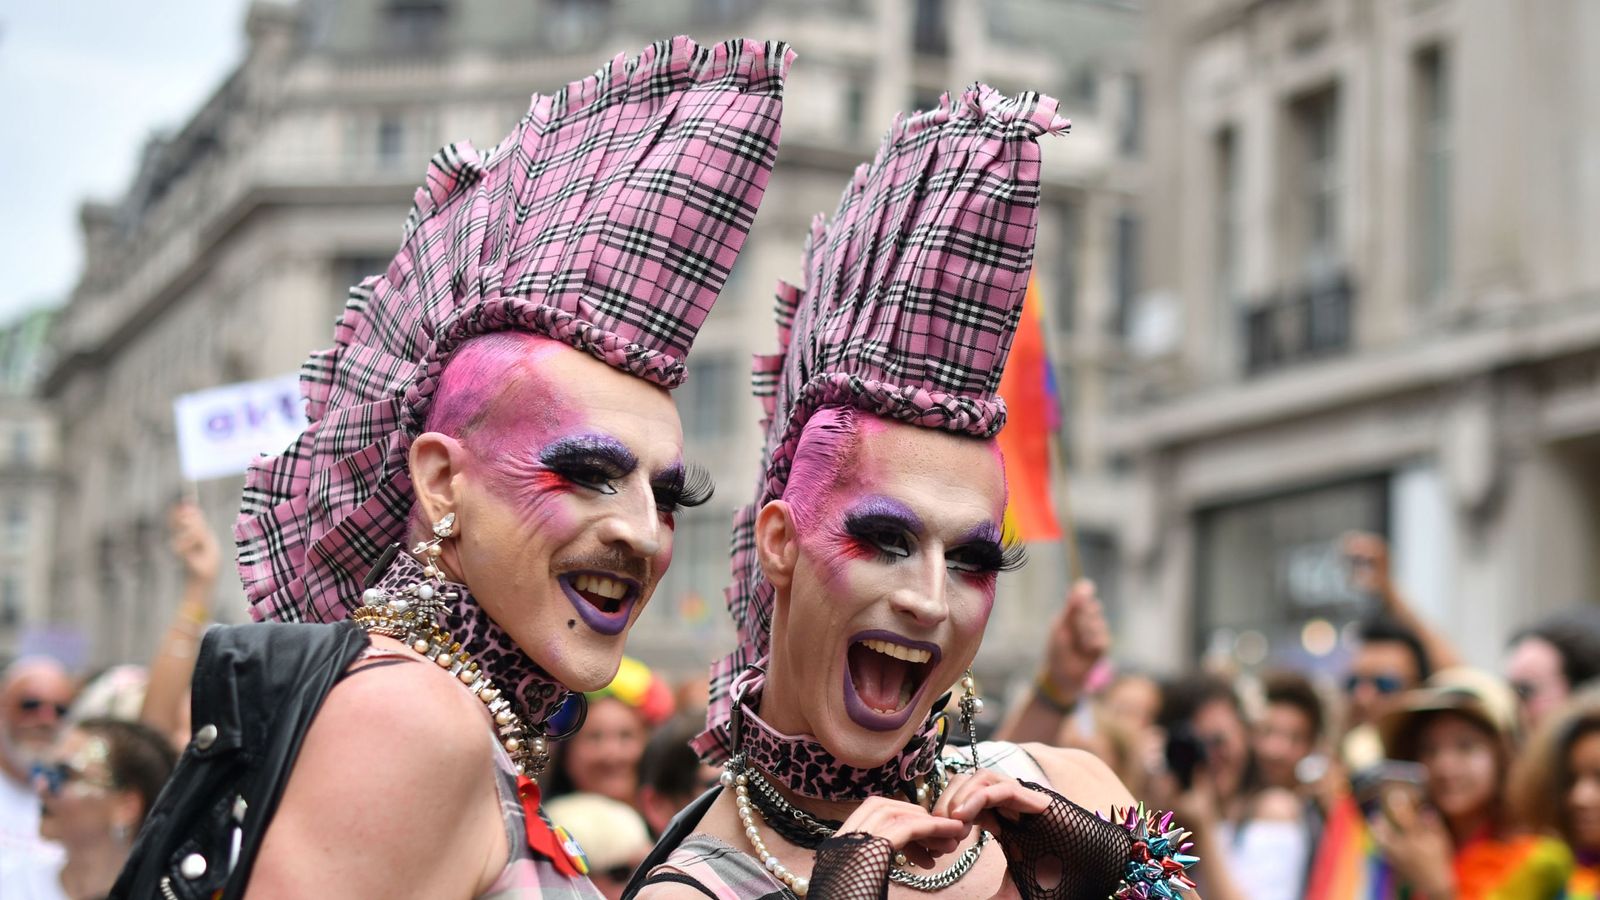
[769,796]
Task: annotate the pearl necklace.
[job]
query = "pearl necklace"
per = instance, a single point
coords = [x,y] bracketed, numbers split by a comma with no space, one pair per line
[740,783]
[409,615]
[735,775]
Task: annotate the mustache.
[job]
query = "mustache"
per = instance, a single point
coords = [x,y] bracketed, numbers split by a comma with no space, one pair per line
[612,561]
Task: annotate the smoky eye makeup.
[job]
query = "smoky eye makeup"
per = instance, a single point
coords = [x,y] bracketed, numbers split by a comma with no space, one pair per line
[681,487]
[984,551]
[884,524]
[593,461]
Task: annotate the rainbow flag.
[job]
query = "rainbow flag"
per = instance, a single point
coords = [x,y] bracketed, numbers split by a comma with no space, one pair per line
[1032,417]
[1347,865]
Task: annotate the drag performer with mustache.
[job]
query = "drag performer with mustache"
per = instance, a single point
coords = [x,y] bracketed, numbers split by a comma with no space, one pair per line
[483,502]
[865,571]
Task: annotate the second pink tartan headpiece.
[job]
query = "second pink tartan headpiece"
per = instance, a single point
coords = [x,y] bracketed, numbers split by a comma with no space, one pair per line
[911,295]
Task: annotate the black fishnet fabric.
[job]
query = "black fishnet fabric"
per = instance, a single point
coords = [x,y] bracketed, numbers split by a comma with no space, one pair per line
[1065,852]
[852,866]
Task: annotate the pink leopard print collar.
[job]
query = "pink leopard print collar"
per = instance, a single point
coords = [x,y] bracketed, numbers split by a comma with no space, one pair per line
[535,695]
[801,764]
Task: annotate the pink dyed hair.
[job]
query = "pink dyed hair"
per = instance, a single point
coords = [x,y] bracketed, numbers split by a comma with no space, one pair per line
[824,454]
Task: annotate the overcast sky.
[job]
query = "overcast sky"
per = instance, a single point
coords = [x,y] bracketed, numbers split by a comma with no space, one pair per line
[82,84]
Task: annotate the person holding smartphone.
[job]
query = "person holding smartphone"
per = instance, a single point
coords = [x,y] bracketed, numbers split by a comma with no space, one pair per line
[1447,832]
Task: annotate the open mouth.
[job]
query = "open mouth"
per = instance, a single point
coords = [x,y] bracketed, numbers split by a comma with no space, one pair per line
[603,601]
[884,677]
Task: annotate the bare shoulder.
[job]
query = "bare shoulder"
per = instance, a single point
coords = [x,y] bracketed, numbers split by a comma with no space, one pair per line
[1081,777]
[401,756]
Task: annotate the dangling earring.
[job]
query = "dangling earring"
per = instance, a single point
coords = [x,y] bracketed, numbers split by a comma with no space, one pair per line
[119,833]
[430,551]
[971,706]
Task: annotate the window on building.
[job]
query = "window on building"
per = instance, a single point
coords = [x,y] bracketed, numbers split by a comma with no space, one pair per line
[930,30]
[1268,568]
[710,390]
[1065,308]
[1130,122]
[10,601]
[1225,225]
[21,446]
[391,140]
[1125,272]
[1431,144]
[16,519]
[855,107]
[577,24]
[1315,188]
[416,26]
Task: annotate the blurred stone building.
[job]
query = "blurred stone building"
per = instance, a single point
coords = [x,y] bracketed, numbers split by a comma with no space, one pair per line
[228,256]
[1368,300]
[28,452]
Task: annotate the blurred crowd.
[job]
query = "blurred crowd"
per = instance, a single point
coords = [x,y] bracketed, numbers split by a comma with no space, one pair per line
[1409,774]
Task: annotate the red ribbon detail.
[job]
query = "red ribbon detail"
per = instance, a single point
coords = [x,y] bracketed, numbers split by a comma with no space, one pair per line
[541,839]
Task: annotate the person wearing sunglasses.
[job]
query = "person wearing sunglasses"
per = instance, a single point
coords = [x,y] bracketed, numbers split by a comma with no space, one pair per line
[1390,659]
[1549,660]
[93,790]
[34,695]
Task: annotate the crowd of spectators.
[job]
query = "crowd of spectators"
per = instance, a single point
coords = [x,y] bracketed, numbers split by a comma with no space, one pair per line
[1405,774]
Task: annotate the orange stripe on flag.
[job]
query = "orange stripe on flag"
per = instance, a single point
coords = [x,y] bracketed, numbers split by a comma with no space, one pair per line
[1025,441]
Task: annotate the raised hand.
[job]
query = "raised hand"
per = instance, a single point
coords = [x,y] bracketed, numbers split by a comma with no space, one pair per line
[193,543]
[1078,639]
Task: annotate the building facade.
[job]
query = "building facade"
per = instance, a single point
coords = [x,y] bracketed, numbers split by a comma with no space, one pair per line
[28,451]
[1367,303]
[228,257]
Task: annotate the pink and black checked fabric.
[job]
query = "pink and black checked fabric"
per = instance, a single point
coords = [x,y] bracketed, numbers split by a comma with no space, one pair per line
[911,296]
[608,219]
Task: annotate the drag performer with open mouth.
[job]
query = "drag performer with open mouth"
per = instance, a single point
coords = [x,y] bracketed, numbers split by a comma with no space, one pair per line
[483,502]
[865,571]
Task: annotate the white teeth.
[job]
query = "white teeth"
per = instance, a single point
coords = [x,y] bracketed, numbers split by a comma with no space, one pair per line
[909,654]
[609,588]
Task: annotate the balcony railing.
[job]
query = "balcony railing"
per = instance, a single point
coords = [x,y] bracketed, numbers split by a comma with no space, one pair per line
[1309,321]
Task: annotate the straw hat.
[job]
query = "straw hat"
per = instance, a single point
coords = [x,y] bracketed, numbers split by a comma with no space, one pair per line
[1473,693]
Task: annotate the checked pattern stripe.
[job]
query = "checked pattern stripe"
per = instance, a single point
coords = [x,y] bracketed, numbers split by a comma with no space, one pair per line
[609,219]
[911,295]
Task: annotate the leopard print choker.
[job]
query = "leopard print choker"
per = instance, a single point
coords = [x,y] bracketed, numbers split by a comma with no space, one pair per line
[804,766]
[534,694]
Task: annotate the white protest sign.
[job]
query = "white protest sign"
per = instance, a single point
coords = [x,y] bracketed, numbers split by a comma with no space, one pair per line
[221,430]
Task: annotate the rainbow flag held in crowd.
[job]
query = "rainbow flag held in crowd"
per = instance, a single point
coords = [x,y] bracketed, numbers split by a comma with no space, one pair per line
[1033,415]
[1348,865]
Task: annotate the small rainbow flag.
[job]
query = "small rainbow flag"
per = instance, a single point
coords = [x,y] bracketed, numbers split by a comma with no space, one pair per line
[1348,865]
[1032,418]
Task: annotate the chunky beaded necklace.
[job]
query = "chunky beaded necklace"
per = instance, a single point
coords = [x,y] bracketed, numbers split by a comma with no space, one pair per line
[409,614]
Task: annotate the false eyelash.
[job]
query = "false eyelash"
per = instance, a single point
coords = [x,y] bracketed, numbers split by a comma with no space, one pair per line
[693,488]
[1013,554]
[697,486]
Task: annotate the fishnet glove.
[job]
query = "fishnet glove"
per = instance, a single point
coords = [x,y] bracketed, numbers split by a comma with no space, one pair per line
[852,866]
[1065,852]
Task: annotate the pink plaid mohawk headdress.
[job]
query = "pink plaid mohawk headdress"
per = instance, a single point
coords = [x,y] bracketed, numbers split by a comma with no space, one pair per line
[911,296]
[608,219]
